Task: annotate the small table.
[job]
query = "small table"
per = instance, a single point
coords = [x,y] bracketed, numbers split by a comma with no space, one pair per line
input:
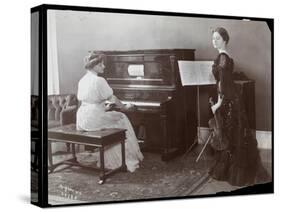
[99,139]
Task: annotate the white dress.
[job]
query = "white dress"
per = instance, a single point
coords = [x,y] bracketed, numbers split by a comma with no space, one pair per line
[91,115]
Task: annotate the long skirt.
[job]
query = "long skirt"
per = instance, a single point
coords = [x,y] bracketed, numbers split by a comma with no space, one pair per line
[239,163]
[90,119]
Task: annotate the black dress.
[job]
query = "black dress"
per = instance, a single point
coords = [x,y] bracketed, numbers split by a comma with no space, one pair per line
[239,163]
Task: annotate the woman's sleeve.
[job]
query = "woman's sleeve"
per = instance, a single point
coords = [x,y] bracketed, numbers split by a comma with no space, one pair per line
[81,94]
[215,71]
[104,89]
[223,73]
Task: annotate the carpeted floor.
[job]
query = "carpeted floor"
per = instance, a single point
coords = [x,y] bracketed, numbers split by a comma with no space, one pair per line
[154,179]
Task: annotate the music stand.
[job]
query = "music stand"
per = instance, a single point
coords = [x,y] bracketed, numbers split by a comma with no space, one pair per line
[196,73]
[198,116]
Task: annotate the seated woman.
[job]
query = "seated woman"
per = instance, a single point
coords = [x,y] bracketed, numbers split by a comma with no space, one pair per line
[92,115]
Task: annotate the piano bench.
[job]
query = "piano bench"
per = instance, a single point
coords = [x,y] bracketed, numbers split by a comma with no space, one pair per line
[99,139]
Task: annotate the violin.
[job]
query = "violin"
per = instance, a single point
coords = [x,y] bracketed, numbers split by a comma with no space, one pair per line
[218,141]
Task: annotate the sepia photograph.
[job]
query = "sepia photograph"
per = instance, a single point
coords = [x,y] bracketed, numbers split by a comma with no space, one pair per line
[139,105]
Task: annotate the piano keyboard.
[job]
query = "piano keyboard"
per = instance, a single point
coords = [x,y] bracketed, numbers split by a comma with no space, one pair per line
[142,104]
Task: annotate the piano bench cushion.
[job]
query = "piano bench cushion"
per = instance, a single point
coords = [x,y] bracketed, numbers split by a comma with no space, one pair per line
[100,139]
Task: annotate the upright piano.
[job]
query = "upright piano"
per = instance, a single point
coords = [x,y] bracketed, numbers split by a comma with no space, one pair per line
[164,118]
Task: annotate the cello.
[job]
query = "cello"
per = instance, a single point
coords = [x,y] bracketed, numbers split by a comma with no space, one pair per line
[216,138]
[218,141]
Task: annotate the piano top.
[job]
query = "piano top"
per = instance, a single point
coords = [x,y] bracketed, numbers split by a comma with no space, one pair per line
[181,53]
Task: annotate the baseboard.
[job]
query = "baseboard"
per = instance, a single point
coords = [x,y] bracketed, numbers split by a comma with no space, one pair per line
[264,138]
[203,134]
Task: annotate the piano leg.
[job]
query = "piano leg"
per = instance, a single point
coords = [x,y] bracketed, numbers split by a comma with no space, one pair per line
[168,152]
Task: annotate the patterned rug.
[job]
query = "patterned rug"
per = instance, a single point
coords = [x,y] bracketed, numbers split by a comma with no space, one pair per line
[153,180]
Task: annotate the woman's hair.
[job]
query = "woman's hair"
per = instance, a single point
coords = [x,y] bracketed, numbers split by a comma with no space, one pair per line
[94,58]
[223,33]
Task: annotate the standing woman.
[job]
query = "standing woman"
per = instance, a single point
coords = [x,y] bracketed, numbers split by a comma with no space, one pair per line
[92,115]
[237,159]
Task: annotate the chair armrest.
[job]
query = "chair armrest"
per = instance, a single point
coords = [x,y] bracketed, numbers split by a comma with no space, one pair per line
[68,115]
[51,113]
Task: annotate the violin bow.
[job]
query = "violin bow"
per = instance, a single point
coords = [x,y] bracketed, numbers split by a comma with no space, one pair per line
[204,147]
[211,102]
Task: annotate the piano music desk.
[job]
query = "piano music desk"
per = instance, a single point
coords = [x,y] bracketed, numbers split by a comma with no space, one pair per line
[99,139]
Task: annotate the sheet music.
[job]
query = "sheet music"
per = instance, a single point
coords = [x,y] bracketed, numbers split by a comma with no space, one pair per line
[196,72]
[136,70]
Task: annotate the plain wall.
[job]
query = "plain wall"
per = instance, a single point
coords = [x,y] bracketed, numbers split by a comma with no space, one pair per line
[250,46]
